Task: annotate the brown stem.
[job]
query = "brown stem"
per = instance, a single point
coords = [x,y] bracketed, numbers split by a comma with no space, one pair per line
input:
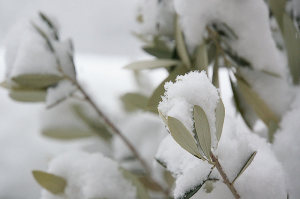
[123,138]
[224,176]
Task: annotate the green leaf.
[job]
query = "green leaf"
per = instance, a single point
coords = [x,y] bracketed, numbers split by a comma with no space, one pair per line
[191,192]
[245,166]
[242,107]
[215,77]
[159,91]
[28,95]
[134,101]
[278,9]
[152,64]
[158,52]
[201,57]
[183,137]
[180,45]
[259,106]
[202,130]
[96,126]
[163,117]
[52,183]
[272,128]
[37,80]
[141,191]
[61,133]
[220,115]
[292,43]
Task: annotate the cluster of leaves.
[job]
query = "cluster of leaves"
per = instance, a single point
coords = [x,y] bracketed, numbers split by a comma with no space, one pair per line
[216,52]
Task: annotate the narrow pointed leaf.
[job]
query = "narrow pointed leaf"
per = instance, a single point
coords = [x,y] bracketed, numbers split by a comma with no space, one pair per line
[245,166]
[292,43]
[163,117]
[278,9]
[201,60]
[180,45]
[52,183]
[134,101]
[183,137]
[220,115]
[202,130]
[36,80]
[69,133]
[28,95]
[152,64]
[259,106]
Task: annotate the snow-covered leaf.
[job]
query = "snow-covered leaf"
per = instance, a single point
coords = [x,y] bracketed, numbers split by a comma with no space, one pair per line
[37,80]
[159,91]
[220,115]
[180,45]
[183,137]
[202,130]
[52,183]
[141,191]
[245,166]
[152,64]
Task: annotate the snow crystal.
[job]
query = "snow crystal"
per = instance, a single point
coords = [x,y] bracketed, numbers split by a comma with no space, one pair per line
[255,42]
[89,176]
[236,145]
[287,148]
[191,89]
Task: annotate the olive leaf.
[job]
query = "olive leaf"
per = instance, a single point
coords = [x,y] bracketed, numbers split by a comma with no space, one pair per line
[152,64]
[180,45]
[202,130]
[201,57]
[278,9]
[52,183]
[134,101]
[159,91]
[159,48]
[292,44]
[141,191]
[163,117]
[245,166]
[37,80]
[183,137]
[28,95]
[95,125]
[67,133]
[220,115]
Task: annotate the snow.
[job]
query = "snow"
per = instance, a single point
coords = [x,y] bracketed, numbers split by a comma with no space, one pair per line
[235,146]
[255,42]
[188,90]
[89,176]
[287,149]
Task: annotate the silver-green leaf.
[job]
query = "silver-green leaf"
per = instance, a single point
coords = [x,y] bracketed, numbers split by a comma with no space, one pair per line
[69,133]
[28,95]
[245,166]
[220,115]
[202,130]
[180,45]
[37,80]
[52,183]
[152,64]
[183,137]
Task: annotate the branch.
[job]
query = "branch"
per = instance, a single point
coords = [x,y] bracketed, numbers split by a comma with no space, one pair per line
[224,176]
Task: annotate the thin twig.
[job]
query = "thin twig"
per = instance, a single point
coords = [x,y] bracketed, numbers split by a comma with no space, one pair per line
[224,176]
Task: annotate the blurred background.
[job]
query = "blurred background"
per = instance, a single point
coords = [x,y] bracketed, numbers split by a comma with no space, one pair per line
[101,32]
